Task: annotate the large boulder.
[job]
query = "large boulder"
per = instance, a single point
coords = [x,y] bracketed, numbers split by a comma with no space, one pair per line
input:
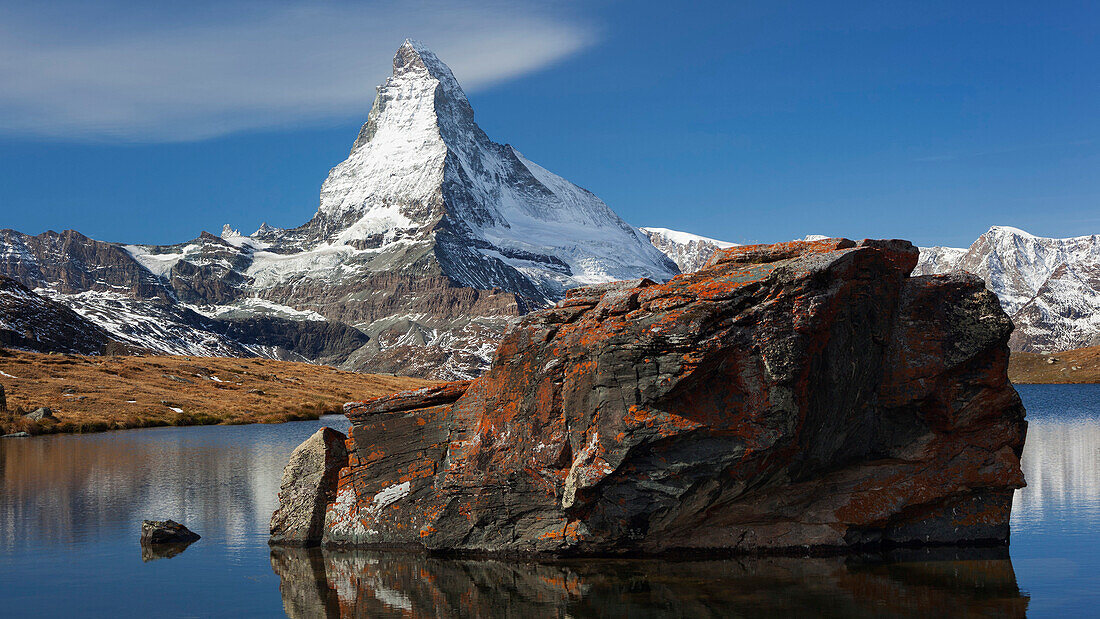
[797,395]
[308,486]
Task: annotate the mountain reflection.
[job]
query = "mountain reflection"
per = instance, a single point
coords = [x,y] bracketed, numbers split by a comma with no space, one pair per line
[914,583]
[1061,463]
[64,490]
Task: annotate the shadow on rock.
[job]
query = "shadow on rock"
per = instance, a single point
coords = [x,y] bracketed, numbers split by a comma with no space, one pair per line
[152,552]
[908,584]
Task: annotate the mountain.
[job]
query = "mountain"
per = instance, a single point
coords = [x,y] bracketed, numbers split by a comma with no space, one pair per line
[689,251]
[30,321]
[429,241]
[1050,287]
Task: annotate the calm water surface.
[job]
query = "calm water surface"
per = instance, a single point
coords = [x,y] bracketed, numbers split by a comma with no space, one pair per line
[71,508]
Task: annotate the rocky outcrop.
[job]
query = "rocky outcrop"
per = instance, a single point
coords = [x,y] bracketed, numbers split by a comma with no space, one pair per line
[308,486]
[804,394]
[407,400]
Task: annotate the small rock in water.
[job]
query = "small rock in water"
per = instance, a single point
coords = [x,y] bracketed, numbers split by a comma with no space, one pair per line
[17,435]
[40,413]
[166,532]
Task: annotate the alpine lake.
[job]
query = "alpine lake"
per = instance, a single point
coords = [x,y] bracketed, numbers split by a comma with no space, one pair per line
[71,508]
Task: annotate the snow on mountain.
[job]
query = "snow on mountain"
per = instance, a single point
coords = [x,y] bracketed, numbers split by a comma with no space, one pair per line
[689,251]
[162,327]
[33,322]
[1050,287]
[423,172]
[429,238]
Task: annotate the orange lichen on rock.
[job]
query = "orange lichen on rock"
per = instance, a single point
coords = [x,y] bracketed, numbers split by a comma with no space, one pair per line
[809,393]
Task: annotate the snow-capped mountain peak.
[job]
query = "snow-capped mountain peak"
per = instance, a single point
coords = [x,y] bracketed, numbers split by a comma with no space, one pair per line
[1050,287]
[422,173]
[689,251]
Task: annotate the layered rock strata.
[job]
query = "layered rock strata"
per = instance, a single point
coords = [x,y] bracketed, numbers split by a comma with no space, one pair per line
[804,394]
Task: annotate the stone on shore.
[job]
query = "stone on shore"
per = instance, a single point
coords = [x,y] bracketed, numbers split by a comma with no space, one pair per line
[42,413]
[308,486]
[166,532]
[790,396]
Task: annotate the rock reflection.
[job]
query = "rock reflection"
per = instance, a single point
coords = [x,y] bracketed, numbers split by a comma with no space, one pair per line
[913,583]
[153,552]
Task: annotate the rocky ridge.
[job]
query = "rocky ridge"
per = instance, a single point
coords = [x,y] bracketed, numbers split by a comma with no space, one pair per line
[804,394]
[1050,287]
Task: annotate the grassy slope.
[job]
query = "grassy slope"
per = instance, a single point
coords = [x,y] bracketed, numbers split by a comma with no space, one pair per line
[90,394]
[1034,368]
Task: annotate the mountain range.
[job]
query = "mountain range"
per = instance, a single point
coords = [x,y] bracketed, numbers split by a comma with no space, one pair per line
[430,240]
[1050,287]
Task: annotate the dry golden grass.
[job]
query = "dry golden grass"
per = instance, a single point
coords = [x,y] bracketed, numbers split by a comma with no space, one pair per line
[1072,366]
[92,394]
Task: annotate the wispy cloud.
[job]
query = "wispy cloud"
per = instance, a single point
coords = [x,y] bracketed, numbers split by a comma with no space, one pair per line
[135,74]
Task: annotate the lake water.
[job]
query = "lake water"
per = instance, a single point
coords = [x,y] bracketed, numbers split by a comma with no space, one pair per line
[71,510]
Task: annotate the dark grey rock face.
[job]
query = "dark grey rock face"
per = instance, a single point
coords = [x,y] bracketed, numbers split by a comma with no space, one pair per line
[30,321]
[309,485]
[166,532]
[326,341]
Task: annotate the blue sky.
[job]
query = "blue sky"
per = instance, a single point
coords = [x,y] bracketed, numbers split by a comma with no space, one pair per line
[745,121]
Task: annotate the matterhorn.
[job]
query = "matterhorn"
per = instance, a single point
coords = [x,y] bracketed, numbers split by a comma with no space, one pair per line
[429,241]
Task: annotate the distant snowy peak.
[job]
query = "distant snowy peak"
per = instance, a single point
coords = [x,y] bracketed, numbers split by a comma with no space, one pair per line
[1050,287]
[689,251]
[422,172]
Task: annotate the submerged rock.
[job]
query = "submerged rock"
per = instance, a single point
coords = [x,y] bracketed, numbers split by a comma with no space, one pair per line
[308,486]
[166,532]
[804,394]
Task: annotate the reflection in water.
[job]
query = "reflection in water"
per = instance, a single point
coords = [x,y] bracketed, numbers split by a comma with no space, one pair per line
[914,583]
[152,552]
[70,489]
[71,509]
[1061,464]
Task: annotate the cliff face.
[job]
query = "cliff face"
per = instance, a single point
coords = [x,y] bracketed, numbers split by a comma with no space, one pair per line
[791,395]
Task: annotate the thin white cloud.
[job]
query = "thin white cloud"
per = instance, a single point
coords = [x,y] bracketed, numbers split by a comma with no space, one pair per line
[140,76]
